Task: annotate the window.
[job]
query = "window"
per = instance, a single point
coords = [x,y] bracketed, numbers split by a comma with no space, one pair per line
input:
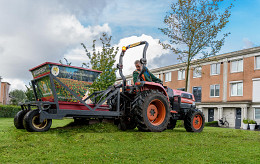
[128,82]
[236,89]
[257,62]
[237,66]
[214,90]
[215,69]
[181,74]
[257,113]
[186,95]
[197,93]
[181,89]
[168,76]
[197,72]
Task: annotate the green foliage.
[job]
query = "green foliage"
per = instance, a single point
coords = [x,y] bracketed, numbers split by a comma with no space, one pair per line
[67,62]
[29,93]
[193,28]
[251,122]
[104,61]
[17,96]
[179,124]
[245,121]
[9,110]
[103,143]
[212,124]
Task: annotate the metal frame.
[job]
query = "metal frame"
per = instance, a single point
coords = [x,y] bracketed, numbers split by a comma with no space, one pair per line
[105,95]
[143,61]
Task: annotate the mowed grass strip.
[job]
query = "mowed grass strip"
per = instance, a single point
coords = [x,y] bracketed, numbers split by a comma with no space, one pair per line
[104,143]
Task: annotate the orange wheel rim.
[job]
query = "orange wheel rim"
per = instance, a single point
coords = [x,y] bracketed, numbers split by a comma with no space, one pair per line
[156,112]
[197,121]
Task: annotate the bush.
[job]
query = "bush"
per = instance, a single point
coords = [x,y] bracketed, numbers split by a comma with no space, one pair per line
[9,110]
[212,124]
[252,122]
[245,121]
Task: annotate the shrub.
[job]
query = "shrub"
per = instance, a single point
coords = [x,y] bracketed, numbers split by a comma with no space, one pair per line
[9,110]
[212,124]
[245,121]
[252,122]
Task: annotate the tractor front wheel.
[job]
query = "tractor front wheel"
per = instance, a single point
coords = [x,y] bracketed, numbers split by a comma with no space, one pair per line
[18,119]
[194,121]
[32,122]
[152,111]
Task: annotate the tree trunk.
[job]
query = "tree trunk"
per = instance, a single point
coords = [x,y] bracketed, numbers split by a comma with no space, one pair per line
[187,77]
[187,73]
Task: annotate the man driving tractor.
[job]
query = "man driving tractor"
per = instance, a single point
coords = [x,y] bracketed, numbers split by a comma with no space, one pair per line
[146,76]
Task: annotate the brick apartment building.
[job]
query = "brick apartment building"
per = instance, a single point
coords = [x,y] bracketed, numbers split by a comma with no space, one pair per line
[227,85]
[4,92]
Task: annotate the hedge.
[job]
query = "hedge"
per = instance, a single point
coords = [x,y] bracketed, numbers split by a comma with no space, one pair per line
[9,110]
[212,124]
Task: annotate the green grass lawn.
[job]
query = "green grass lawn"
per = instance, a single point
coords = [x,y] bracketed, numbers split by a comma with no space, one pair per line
[103,143]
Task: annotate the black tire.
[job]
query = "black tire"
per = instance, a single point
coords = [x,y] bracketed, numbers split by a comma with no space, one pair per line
[152,111]
[194,121]
[32,123]
[131,124]
[171,124]
[18,119]
[122,125]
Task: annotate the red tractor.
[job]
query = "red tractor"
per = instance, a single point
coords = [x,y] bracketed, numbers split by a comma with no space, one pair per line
[153,107]
[149,106]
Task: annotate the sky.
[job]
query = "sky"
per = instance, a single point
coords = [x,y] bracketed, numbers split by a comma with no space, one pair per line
[33,32]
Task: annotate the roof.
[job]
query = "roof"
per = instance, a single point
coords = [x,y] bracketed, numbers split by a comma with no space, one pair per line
[64,66]
[6,83]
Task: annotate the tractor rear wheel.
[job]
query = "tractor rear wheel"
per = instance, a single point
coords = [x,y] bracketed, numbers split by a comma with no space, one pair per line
[194,121]
[32,122]
[18,119]
[152,111]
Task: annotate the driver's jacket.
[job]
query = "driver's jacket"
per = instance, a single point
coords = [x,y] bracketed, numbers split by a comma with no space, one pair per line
[146,76]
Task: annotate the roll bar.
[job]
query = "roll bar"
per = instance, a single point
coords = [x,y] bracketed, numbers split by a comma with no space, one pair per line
[142,60]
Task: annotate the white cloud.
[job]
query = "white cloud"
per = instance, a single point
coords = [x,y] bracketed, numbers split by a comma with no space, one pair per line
[15,83]
[247,43]
[77,56]
[155,50]
[38,32]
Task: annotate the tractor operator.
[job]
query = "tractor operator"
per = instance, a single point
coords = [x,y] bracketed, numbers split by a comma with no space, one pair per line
[146,76]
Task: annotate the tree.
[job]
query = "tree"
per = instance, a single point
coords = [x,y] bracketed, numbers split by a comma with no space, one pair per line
[17,96]
[104,61]
[194,25]
[29,93]
[67,62]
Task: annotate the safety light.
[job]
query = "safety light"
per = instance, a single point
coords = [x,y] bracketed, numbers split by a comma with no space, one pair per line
[123,48]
